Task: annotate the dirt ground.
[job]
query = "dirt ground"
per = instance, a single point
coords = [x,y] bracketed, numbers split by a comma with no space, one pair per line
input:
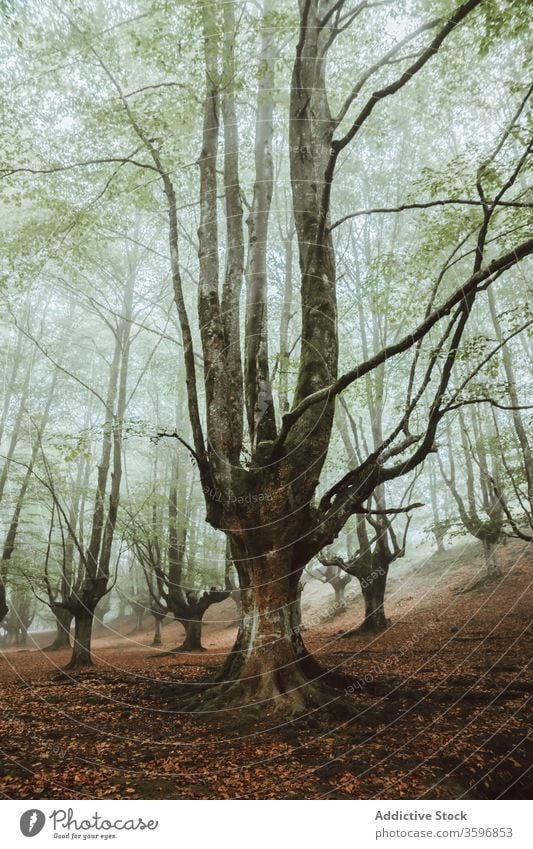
[440,704]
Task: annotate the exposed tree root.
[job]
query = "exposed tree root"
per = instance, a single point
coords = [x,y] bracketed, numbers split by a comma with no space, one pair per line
[71,675]
[183,649]
[78,664]
[289,691]
[189,649]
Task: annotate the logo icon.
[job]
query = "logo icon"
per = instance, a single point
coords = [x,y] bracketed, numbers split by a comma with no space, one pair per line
[32,822]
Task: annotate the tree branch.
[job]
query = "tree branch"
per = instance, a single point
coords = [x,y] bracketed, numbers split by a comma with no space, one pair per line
[388,510]
[484,275]
[427,205]
[460,13]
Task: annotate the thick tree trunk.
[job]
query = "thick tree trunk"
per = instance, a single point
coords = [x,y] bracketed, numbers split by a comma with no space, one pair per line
[81,652]
[193,635]
[63,623]
[269,666]
[491,561]
[373,590]
[286,315]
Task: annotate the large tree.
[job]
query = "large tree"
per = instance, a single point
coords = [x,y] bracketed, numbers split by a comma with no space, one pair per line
[264,475]
[268,509]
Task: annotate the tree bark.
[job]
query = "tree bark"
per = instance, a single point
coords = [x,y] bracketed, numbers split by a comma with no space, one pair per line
[491,560]
[269,666]
[81,650]
[339,586]
[63,623]
[157,641]
[520,429]
[373,590]
[193,635]
[260,408]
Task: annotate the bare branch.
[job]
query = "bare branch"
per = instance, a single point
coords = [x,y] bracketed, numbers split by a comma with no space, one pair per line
[427,205]
[392,510]
[123,160]
[174,435]
[467,402]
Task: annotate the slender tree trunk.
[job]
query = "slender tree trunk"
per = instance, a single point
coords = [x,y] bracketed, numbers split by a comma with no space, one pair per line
[15,433]
[234,271]
[4,609]
[439,539]
[157,641]
[11,536]
[438,528]
[260,409]
[520,429]
[97,559]
[286,310]
[15,359]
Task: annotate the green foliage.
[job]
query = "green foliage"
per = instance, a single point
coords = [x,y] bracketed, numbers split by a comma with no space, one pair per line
[507,19]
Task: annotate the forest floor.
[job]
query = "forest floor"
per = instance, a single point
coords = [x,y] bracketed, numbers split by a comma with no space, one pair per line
[441,704]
